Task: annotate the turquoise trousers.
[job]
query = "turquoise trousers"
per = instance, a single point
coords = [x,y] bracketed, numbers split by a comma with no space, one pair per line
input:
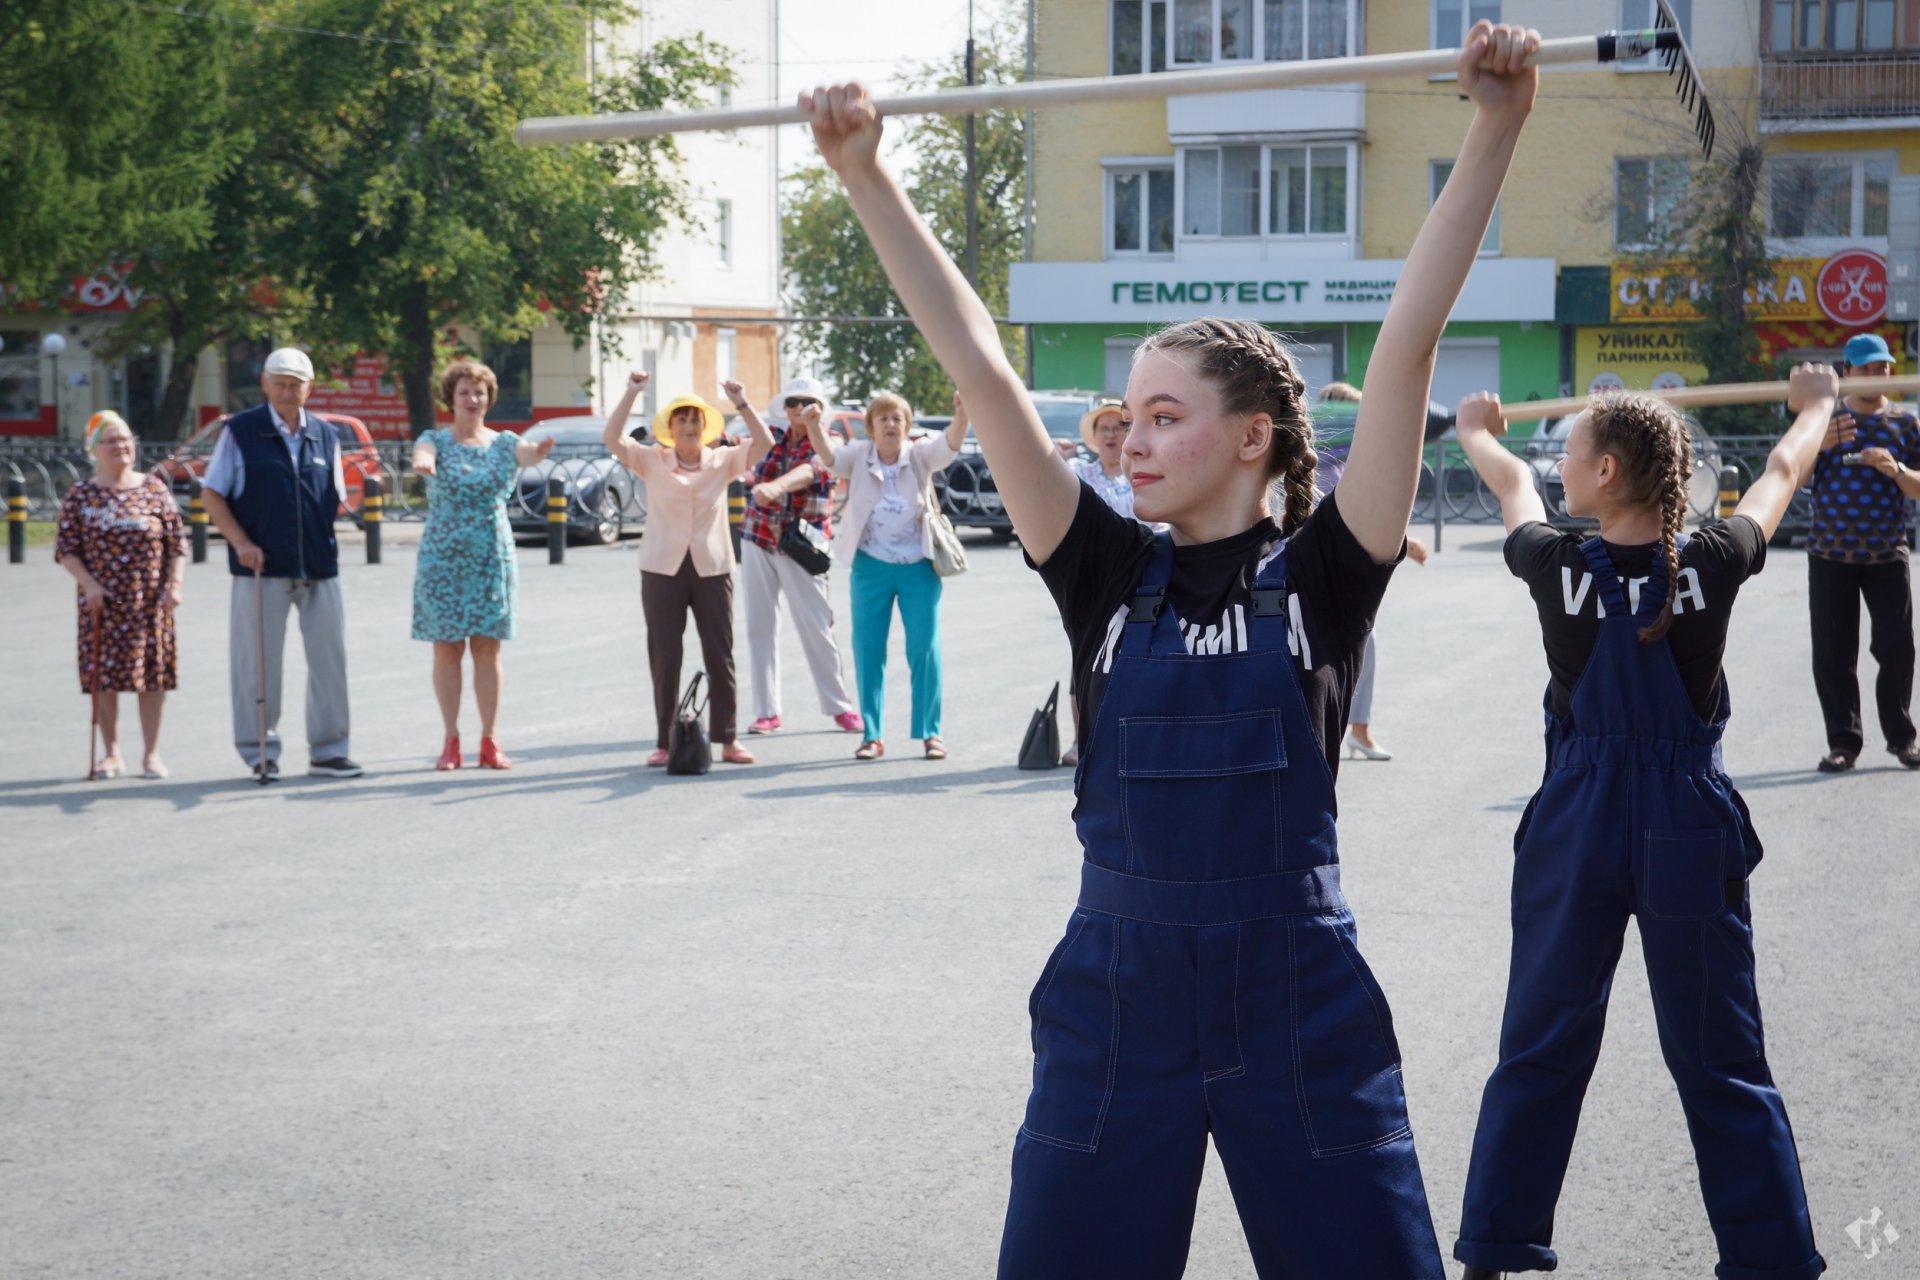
[874,585]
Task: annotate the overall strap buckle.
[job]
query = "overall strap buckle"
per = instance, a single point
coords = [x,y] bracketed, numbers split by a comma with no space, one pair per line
[1269,602]
[1147,604]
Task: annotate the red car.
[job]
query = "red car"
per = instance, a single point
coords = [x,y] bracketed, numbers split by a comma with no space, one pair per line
[358,459]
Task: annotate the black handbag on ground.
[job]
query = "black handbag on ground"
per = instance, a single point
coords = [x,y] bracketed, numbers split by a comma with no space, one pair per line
[1041,747]
[803,543]
[688,748]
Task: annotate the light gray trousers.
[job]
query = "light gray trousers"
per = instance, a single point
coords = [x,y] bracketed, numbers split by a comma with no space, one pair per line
[323,634]
[1362,709]
[764,579]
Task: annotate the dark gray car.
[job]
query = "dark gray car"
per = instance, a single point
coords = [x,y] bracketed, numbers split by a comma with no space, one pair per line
[603,497]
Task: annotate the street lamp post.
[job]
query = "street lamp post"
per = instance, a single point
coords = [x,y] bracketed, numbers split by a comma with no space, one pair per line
[55,345]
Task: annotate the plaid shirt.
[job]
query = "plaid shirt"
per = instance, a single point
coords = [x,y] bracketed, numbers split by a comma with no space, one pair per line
[763,525]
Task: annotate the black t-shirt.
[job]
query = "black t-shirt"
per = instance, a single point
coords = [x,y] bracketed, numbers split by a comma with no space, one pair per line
[1333,590]
[1713,564]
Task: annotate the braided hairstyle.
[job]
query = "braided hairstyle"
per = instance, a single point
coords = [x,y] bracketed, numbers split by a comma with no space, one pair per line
[1648,437]
[1253,373]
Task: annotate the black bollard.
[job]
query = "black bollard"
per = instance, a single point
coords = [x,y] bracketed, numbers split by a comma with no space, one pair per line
[17,521]
[556,520]
[736,511]
[372,506]
[1729,491]
[197,522]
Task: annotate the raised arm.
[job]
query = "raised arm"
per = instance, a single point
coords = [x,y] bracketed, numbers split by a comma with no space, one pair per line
[1383,466]
[1811,395]
[814,419]
[1479,427]
[760,439]
[1039,492]
[626,451]
[957,429]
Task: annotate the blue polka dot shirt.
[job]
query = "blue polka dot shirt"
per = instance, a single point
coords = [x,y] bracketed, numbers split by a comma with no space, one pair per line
[1860,515]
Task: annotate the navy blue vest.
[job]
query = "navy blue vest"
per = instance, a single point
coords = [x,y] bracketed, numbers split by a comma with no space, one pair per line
[287,511]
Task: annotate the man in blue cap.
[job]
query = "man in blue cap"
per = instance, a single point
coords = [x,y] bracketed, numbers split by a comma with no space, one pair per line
[1857,549]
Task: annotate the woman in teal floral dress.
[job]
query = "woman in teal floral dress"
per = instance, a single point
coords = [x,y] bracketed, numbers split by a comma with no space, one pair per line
[464,583]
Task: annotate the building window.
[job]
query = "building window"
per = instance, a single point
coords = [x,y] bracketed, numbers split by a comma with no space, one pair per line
[20,374]
[512,365]
[726,354]
[723,232]
[1649,201]
[1307,191]
[1437,176]
[1640,15]
[1828,195]
[1837,26]
[1452,19]
[1295,29]
[246,357]
[1140,211]
[1139,36]
[1207,31]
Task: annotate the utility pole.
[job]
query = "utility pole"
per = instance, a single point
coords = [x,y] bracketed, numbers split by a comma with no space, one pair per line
[973,174]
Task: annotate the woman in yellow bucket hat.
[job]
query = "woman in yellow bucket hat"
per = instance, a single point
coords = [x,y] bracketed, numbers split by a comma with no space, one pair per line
[686,558]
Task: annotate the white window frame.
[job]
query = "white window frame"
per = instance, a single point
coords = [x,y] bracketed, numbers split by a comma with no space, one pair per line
[1856,195]
[723,233]
[1825,47]
[1452,39]
[726,354]
[1349,233]
[1146,38]
[1490,242]
[1115,171]
[1682,9]
[1257,42]
[1686,165]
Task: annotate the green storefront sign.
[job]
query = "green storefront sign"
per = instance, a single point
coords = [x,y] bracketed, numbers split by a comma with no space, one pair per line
[1148,293]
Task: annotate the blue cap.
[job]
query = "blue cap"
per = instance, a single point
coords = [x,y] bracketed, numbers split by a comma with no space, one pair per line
[1865,348]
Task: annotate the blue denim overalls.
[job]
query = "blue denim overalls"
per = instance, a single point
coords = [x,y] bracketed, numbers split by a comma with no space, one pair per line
[1635,817]
[1208,983]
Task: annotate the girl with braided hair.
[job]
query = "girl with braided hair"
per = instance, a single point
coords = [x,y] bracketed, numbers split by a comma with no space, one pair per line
[1208,983]
[1636,817]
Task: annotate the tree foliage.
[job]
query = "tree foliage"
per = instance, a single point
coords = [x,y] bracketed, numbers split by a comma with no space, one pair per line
[831,268]
[412,205]
[1726,238]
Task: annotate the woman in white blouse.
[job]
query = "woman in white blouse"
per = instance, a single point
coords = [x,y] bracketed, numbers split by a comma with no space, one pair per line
[885,537]
[1104,430]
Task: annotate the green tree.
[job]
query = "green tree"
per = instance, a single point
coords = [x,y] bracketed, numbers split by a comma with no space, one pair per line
[831,269]
[1727,246]
[408,205]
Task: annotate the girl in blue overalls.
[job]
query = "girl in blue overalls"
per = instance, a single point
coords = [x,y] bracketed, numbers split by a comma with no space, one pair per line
[1636,817]
[1208,982]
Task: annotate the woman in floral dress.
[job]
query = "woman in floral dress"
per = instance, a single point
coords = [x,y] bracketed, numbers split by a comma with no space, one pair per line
[465,578]
[121,537]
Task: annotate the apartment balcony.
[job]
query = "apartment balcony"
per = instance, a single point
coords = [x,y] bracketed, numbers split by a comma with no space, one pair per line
[1880,90]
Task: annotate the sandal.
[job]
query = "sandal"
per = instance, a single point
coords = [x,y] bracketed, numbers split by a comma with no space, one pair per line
[936,749]
[449,754]
[872,749]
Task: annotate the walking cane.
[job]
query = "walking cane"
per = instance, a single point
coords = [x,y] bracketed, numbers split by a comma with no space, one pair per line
[260,668]
[93,697]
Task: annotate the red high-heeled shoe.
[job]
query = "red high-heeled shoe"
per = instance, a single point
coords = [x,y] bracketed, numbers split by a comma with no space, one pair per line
[492,757]
[449,754]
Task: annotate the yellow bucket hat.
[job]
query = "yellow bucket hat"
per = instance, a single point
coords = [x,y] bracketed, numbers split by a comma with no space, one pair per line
[715,424]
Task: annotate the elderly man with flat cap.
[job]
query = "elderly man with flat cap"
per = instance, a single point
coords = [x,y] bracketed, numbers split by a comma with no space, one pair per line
[272,488]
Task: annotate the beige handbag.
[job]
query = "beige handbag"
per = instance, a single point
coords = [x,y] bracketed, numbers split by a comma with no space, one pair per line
[949,557]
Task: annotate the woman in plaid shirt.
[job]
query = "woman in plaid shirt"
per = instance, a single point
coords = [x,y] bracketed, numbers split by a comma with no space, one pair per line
[788,485]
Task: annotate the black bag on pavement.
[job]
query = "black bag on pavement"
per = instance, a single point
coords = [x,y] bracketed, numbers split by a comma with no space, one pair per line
[806,546]
[1041,747]
[688,748]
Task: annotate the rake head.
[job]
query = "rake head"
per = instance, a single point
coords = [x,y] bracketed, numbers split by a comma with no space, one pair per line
[1665,40]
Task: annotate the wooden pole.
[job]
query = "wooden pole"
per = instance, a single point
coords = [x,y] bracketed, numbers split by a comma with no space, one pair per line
[1717,393]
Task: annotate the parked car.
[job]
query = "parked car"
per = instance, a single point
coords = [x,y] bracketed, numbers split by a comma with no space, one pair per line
[966,489]
[603,497]
[359,458]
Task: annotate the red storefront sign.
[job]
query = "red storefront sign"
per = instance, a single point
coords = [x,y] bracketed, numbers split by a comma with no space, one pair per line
[367,394]
[1852,287]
